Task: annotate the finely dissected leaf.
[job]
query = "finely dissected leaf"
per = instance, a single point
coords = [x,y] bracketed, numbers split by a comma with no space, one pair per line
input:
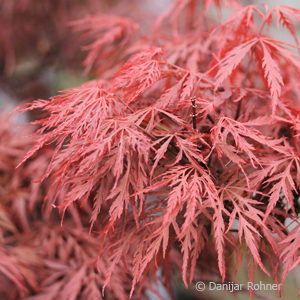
[226,129]
[285,16]
[272,74]
[219,229]
[284,184]
[162,150]
[105,31]
[232,60]
[138,74]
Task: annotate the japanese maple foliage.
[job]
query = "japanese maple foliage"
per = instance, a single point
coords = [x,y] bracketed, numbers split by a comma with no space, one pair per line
[38,258]
[192,144]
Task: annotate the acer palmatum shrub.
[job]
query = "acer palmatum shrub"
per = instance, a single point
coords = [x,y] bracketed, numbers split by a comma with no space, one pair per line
[185,148]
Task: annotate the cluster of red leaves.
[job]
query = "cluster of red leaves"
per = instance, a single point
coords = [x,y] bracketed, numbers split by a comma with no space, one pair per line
[39,259]
[161,174]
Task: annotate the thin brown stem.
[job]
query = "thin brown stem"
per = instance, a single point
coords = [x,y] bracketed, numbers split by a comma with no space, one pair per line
[194,113]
